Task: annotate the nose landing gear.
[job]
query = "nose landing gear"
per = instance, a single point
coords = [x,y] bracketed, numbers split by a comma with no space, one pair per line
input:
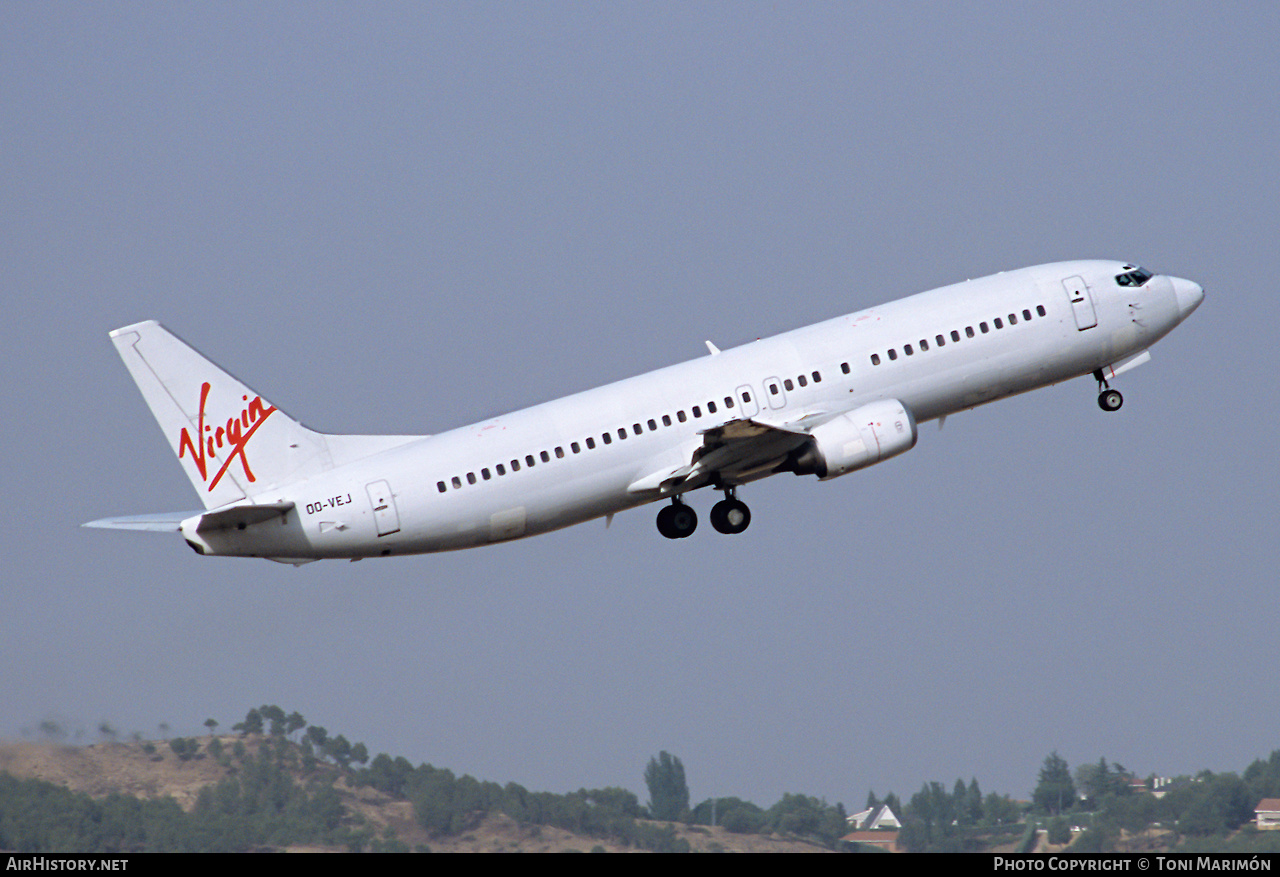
[1108,399]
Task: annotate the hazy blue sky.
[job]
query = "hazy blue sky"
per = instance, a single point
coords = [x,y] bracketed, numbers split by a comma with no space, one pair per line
[402,218]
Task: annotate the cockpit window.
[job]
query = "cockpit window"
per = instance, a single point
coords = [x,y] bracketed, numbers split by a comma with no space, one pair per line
[1136,277]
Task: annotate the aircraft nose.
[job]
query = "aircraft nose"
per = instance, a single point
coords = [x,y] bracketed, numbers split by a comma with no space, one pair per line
[1189,295]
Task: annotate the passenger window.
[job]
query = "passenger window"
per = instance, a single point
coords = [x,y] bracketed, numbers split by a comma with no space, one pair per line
[486,474]
[471,478]
[924,345]
[440,486]
[457,482]
[546,458]
[844,367]
[622,432]
[653,426]
[875,359]
[1013,319]
[575,447]
[907,349]
[1026,315]
[728,401]
[637,428]
[803,381]
[773,388]
[955,336]
[1040,310]
[502,470]
[697,411]
[529,461]
[680,416]
[746,397]
[515,465]
[591,444]
[817,378]
[608,439]
[968,331]
[999,323]
[559,453]
[941,341]
[711,408]
[788,384]
[893,354]
[984,327]
[666,420]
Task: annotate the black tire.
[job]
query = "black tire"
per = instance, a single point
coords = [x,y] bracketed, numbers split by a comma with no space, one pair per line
[665,527]
[677,521]
[730,516]
[684,520]
[1110,400]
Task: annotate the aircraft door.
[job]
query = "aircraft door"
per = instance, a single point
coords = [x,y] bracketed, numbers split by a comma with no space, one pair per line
[747,401]
[774,392]
[1081,302]
[384,508]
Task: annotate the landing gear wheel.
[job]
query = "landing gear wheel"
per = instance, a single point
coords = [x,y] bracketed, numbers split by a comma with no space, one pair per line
[677,521]
[1110,400]
[730,516]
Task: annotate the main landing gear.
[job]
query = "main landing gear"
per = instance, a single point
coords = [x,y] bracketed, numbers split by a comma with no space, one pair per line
[678,521]
[1108,399]
[730,515]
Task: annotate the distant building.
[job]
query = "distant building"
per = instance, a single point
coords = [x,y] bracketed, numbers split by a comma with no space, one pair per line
[874,818]
[1268,814]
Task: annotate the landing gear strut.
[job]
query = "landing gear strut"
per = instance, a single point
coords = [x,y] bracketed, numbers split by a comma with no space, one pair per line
[677,521]
[1108,399]
[730,515]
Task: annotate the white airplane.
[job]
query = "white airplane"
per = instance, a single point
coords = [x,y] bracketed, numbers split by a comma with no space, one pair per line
[823,400]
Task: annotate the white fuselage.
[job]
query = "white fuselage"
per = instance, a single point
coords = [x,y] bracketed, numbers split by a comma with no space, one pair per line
[1016,331]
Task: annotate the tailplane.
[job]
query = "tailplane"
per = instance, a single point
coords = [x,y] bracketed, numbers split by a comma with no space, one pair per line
[231,443]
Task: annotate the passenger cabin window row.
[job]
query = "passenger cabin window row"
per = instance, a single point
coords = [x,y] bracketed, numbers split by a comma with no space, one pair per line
[622,433]
[941,340]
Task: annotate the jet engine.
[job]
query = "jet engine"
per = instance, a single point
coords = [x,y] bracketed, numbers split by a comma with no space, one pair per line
[855,440]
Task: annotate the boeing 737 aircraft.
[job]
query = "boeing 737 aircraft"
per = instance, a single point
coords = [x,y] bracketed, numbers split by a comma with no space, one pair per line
[823,400]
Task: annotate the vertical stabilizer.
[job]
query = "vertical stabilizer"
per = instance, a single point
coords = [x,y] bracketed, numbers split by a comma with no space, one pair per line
[232,443]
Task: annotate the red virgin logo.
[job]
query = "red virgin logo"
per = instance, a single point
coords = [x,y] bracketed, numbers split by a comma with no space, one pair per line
[231,436]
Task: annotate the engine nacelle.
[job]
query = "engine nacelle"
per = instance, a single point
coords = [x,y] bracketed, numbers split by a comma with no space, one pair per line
[855,440]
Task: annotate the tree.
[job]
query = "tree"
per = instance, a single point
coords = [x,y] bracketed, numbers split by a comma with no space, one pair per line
[973,802]
[274,715]
[1059,832]
[1055,792]
[668,791]
[252,724]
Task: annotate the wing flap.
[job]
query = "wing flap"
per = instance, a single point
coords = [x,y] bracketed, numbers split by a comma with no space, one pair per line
[730,454]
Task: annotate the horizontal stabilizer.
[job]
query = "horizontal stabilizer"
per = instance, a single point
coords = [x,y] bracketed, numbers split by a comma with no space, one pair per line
[163,522]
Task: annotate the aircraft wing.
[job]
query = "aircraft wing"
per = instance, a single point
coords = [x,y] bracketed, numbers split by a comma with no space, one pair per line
[732,453]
